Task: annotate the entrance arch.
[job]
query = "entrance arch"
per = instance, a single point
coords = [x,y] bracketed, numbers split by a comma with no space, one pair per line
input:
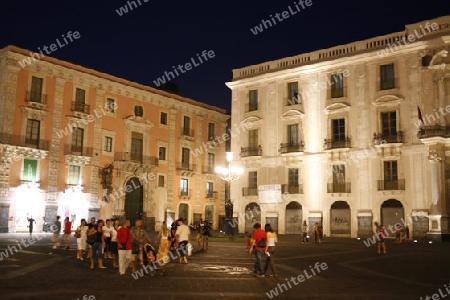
[134,200]
[252,216]
[392,212]
[340,218]
[294,216]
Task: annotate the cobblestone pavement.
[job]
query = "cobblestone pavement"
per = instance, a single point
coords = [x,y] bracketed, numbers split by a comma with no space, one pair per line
[353,271]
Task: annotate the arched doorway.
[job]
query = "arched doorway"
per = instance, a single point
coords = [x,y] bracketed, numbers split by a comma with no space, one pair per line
[134,199]
[392,212]
[183,211]
[293,218]
[252,216]
[340,218]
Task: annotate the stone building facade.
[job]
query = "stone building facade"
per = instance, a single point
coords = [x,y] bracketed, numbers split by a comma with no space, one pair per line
[79,143]
[348,136]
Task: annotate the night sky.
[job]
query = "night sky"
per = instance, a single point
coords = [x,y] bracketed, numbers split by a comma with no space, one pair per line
[145,42]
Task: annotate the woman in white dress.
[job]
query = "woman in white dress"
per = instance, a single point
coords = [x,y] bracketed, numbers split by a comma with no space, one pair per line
[81,240]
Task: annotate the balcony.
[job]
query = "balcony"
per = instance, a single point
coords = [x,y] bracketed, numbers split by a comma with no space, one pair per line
[22,141]
[433,131]
[208,170]
[330,144]
[291,147]
[251,151]
[80,107]
[186,193]
[387,84]
[390,139]
[36,100]
[249,191]
[142,159]
[186,166]
[213,195]
[251,107]
[70,149]
[339,187]
[391,185]
[187,132]
[292,189]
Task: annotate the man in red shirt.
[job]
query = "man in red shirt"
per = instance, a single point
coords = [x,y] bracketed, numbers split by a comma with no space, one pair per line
[259,247]
[124,245]
[67,232]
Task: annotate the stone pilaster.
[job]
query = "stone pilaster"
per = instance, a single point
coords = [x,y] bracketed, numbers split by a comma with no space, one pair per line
[171,159]
[441,99]
[199,164]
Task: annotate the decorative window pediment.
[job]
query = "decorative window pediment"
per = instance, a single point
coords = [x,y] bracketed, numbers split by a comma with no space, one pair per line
[292,114]
[337,108]
[388,100]
[252,119]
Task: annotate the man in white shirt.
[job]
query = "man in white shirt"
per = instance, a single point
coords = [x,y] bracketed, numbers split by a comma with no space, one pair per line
[183,235]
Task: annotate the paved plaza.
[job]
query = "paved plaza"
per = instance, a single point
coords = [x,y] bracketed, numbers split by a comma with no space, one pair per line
[346,269]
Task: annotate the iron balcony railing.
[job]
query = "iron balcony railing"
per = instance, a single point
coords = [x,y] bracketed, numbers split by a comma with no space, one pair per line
[249,191]
[378,138]
[70,149]
[36,97]
[208,170]
[339,187]
[80,107]
[292,147]
[185,192]
[143,159]
[390,185]
[187,132]
[251,151]
[211,194]
[433,131]
[329,144]
[292,188]
[185,166]
[22,141]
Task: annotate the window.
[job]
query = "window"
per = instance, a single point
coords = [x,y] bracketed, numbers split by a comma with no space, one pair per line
[338,127]
[211,131]
[161,179]
[32,132]
[162,153]
[253,179]
[77,139]
[293,93]
[110,105]
[108,144]
[186,125]
[138,111]
[80,100]
[136,146]
[253,138]
[184,187]
[338,174]
[337,85]
[389,123]
[36,89]
[387,77]
[390,170]
[185,154]
[209,189]
[293,176]
[253,100]
[29,169]
[163,118]
[74,175]
[292,135]
[211,161]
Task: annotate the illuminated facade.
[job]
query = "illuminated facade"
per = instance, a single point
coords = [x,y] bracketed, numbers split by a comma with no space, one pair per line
[336,135]
[79,143]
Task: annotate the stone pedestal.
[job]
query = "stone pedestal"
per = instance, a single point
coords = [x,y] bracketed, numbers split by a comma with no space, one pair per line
[51,211]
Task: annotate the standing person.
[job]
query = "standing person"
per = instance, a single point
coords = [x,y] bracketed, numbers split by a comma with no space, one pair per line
[107,232]
[398,232]
[81,241]
[305,239]
[380,236]
[183,235]
[139,237]
[272,238]
[97,246]
[114,243]
[164,244]
[319,232]
[316,233]
[91,225]
[259,246]
[56,231]
[30,225]
[199,237]
[124,244]
[67,232]
[173,230]
[206,234]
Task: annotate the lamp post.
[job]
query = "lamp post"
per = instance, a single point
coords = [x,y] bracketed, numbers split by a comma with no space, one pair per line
[229,174]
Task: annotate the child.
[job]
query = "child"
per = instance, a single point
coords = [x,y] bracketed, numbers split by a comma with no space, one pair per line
[248,240]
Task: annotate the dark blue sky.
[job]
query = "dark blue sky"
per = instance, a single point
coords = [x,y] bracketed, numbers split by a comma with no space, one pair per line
[147,41]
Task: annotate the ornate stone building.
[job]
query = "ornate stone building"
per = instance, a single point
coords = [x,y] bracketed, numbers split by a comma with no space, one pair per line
[348,136]
[79,143]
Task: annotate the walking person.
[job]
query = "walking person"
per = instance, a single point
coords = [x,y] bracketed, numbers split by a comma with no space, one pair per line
[398,232]
[89,244]
[183,235]
[164,244]
[97,246]
[67,232]
[272,238]
[81,233]
[139,237]
[319,232]
[305,239]
[380,236]
[114,243]
[30,225]
[124,244]
[56,231]
[206,234]
[259,247]
[107,232]
[316,234]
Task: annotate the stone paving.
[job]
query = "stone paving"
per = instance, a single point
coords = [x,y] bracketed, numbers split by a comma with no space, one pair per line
[353,271]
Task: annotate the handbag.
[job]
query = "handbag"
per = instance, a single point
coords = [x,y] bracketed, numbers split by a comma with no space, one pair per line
[262,243]
[77,234]
[90,239]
